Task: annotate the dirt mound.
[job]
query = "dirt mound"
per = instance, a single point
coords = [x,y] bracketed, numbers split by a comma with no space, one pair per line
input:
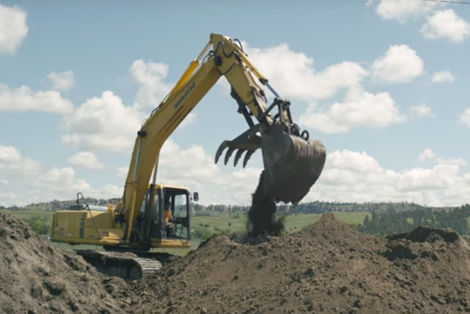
[327,267]
[37,277]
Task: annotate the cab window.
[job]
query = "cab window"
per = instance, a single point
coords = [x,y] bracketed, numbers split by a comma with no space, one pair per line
[180,203]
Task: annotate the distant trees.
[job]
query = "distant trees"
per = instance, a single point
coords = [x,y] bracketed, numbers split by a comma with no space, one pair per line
[204,233]
[395,221]
[39,225]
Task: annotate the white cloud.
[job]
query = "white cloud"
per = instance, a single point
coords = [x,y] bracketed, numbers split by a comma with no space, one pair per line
[428,154]
[103,123]
[404,10]
[359,109]
[150,76]
[62,184]
[348,176]
[445,24]
[61,81]
[443,76]
[422,111]
[13,29]
[464,118]
[401,64]
[195,168]
[24,99]
[358,177]
[28,181]
[292,74]
[190,118]
[121,172]
[87,160]
[439,24]
[11,160]
[7,199]
[452,161]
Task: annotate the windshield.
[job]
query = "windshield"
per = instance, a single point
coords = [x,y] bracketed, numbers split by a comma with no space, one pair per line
[180,205]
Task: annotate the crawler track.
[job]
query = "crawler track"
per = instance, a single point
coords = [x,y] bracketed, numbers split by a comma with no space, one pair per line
[126,265]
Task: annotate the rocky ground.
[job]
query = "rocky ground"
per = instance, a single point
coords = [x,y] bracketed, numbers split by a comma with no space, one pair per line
[327,267]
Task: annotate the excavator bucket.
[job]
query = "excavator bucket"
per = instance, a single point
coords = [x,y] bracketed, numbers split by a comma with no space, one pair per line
[292,164]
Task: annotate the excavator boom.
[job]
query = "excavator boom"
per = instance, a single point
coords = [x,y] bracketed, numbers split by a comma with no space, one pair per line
[292,161]
[128,231]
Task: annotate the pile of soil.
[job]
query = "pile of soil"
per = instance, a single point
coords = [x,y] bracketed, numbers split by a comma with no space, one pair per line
[36,277]
[327,267]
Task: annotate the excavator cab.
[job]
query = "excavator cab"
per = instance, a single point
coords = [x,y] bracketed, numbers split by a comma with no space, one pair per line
[166,214]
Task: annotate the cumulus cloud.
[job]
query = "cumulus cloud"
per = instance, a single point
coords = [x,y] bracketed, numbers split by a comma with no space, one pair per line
[103,123]
[401,64]
[63,184]
[294,75]
[24,99]
[422,111]
[443,76]
[348,176]
[13,29]
[445,24]
[440,23]
[359,109]
[428,154]
[151,77]
[28,181]
[11,160]
[195,168]
[464,118]
[86,160]
[403,10]
[357,176]
[61,81]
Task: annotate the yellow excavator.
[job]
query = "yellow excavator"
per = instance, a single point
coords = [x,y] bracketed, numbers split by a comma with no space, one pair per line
[130,229]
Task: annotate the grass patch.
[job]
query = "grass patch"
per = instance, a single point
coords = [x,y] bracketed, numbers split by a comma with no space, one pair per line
[216,221]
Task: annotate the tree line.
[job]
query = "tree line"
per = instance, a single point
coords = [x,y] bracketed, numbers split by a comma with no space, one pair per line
[392,221]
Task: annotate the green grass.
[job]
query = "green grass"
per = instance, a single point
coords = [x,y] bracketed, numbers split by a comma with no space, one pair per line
[293,222]
[26,214]
[216,220]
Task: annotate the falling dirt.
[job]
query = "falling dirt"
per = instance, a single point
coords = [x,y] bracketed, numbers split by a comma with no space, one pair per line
[262,214]
[327,267]
[37,277]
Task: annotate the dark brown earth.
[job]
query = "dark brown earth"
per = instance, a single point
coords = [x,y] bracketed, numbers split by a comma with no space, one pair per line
[327,267]
[262,214]
[36,277]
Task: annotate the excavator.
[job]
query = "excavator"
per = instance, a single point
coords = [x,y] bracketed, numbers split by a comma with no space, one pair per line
[131,229]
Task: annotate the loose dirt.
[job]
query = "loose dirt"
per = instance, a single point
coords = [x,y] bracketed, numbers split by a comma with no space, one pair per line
[327,267]
[36,277]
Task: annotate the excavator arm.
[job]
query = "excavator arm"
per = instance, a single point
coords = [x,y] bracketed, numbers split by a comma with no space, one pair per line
[292,162]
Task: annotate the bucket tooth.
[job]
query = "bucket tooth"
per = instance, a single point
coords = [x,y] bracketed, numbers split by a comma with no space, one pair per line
[237,156]
[247,157]
[220,150]
[228,154]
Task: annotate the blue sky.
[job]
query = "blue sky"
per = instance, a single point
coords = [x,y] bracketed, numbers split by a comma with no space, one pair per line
[381,83]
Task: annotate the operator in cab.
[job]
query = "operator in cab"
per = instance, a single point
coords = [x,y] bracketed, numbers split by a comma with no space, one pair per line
[168,215]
